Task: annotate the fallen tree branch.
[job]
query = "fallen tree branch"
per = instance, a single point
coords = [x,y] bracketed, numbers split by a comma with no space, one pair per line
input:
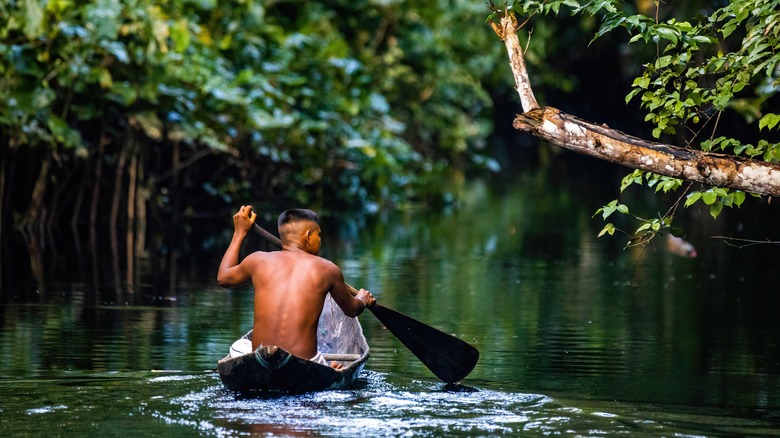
[600,141]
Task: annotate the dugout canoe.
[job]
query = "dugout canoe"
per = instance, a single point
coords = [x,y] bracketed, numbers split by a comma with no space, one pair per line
[272,369]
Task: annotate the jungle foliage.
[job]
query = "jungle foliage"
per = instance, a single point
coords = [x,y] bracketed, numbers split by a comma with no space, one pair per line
[702,62]
[133,111]
[137,113]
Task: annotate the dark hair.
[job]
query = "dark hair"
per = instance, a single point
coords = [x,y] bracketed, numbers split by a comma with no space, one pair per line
[297,214]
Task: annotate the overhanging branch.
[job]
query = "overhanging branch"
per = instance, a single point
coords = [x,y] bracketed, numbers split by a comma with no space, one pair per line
[570,132]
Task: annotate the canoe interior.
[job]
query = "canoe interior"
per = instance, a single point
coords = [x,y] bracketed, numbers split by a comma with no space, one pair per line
[271,369]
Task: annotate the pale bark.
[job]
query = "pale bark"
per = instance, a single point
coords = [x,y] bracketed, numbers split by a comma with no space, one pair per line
[586,138]
[507,31]
[602,142]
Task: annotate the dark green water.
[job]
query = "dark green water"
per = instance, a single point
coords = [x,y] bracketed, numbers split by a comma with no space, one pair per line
[577,336]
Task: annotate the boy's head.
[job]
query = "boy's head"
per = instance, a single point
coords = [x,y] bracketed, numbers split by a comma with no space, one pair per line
[301,225]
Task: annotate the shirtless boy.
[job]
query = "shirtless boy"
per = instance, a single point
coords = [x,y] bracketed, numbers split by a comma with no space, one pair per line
[290,285]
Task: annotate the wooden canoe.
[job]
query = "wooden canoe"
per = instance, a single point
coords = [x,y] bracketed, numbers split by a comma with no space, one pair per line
[272,369]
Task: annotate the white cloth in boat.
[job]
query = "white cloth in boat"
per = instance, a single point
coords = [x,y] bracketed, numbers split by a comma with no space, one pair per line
[241,347]
[319,358]
[244,346]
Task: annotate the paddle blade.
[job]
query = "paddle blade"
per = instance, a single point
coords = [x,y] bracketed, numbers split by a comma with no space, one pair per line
[448,357]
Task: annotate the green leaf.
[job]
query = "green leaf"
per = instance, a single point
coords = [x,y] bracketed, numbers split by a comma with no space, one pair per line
[739,198]
[634,177]
[645,226]
[728,200]
[150,124]
[692,198]
[63,133]
[669,34]
[669,184]
[608,209]
[709,197]
[633,93]
[117,49]
[608,229]
[105,78]
[720,191]
[701,39]
[58,6]
[34,19]
[180,34]
[769,121]
[728,29]
[103,16]
[715,209]
[641,82]
[758,52]
[683,26]
[663,61]
[213,142]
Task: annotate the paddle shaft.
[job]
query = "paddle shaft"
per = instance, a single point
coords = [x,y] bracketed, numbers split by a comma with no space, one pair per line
[448,357]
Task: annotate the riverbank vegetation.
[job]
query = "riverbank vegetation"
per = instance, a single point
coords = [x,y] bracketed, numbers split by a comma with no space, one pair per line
[127,120]
[139,112]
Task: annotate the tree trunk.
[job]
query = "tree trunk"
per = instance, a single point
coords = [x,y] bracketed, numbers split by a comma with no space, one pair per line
[143,195]
[61,200]
[36,262]
[36,207]
[600,141]
[3,176]
[74,219]
[131,193]
[174,228]
[93,208]
[114,217]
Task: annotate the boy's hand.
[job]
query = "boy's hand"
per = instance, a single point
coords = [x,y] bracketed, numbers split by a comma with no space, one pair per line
[244,219]
[366,297]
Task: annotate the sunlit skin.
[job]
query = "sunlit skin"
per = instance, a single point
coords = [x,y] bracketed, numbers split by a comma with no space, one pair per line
[290,286]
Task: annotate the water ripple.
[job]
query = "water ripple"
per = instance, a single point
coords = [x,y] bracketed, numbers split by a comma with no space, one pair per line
[379,408]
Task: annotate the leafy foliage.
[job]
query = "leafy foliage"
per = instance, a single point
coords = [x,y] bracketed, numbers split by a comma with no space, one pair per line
[726,59]
[340,104]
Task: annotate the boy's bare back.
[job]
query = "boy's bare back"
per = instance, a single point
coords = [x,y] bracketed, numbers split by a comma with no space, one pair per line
[290,289]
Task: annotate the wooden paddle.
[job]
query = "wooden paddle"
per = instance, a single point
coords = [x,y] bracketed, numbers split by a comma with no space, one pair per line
[448,357]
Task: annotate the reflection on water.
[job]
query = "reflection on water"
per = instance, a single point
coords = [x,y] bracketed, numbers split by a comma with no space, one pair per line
[577,335]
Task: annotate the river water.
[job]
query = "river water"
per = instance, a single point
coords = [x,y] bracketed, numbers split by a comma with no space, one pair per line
[578,336]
